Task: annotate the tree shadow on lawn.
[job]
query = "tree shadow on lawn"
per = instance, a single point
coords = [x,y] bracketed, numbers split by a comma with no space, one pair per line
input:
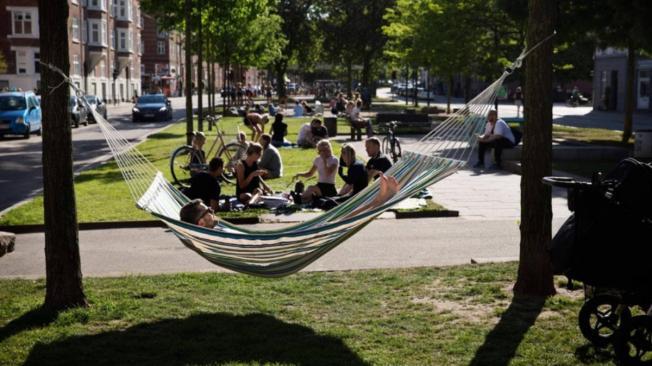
[36,318]
[200,339]
[500,344]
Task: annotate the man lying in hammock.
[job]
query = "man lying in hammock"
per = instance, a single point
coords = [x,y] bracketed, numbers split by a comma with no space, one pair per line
[197,213]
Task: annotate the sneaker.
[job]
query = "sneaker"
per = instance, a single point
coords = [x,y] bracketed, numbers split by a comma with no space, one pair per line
[296,197]
[478,165]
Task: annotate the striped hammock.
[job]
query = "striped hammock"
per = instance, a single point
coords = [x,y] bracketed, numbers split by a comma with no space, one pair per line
[280,252]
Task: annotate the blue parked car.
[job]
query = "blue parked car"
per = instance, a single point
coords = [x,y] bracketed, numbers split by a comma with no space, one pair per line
[152,107]
[20,114]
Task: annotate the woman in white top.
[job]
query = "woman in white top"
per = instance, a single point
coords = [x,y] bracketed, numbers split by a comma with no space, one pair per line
[326,167]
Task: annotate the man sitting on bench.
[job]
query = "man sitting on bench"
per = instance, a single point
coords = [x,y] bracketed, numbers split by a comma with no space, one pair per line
[357,122]
[497,136]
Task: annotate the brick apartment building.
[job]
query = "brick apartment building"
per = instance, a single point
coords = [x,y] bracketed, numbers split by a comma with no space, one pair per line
[104,46]
[162,62]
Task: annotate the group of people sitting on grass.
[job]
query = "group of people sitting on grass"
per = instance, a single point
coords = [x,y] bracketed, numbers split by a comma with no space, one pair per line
[251,186]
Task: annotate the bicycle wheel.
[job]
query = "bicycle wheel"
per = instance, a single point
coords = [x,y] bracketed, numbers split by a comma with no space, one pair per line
[230,154]
[396,151]
[385,146]
[181,167]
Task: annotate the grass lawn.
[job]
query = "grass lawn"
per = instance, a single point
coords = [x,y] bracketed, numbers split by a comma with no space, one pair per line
[426,316]
[102,194]
[597,136]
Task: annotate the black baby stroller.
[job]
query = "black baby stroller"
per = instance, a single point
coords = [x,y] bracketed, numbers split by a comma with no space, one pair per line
[607,244]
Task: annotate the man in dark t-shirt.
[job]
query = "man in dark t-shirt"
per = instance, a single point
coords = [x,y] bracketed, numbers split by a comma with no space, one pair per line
[205,186]
[378,162]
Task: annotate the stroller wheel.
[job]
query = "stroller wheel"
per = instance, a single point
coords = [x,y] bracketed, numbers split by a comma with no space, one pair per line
[601,317]
[633,345]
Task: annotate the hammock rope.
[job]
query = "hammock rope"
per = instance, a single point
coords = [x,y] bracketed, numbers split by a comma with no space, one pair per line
[280,252]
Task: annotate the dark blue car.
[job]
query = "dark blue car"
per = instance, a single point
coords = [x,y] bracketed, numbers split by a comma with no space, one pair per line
[20,114]
[154,107]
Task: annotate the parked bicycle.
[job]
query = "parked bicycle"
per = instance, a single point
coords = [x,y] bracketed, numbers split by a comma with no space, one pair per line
[186,161]
[391,144]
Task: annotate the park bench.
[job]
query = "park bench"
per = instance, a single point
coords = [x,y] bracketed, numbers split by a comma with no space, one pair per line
[412,121]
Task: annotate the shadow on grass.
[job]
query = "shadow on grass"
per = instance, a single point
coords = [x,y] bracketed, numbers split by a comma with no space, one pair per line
[100,176]
[164,136]
[500,344]
[200,339]
[589,354]
[35,318]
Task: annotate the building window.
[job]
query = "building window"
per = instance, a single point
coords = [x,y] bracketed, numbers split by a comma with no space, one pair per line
[142,46]
[75,29]
[112,40]
[22,23]
[104,33]
[21,62]
[160,47]
[76,66]
[123,40]
[37,63]
[131,40]
[84,28]
[142,69]
[102,68]
[97,4]
[94,28]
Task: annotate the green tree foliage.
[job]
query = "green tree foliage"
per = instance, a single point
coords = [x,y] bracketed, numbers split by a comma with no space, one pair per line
[302,40]
[352,31]
[626,25]
[428,33]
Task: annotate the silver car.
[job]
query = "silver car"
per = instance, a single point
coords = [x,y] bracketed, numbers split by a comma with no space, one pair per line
[97,104]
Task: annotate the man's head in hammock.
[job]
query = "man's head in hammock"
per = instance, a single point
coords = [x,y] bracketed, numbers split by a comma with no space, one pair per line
[197,213]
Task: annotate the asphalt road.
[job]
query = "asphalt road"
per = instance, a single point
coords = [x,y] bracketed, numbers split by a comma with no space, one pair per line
[21,175]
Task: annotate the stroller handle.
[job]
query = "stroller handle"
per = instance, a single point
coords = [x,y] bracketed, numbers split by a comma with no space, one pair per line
[564,182]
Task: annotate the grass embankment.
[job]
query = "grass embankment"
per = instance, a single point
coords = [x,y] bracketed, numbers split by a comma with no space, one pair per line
[594,136]
[103,196]
[425,316]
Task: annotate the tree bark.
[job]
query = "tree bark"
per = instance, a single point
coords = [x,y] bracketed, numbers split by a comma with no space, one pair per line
[281,67]
[63,284]
[449,93]
[349,78]
[200,72]
[188,49]
[629,91]
[414,83]
[535,271]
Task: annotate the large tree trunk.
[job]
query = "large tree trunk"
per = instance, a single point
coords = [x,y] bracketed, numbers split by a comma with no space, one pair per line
[200,73]
[63,284]
[188,49]
[629,91]
[349,78]
[414,83]
[535,270]
[281,68]
[449,93]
